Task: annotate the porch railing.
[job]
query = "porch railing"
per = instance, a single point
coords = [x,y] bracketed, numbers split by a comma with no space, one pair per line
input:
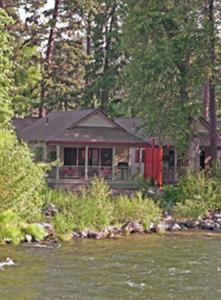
[78,172]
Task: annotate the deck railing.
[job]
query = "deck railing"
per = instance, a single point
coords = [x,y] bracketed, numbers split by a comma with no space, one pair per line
[78,172]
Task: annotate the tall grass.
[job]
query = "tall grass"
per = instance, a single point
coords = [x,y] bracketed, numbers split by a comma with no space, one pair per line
[95,208]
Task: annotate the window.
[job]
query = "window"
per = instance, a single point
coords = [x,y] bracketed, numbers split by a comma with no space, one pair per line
[93,157]
[137,156]
[38,153]
[106,157]
[70,156]
[81,156]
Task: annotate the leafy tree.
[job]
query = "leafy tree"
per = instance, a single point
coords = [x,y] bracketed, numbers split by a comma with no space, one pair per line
[169,63]
[21,180]
[5,70]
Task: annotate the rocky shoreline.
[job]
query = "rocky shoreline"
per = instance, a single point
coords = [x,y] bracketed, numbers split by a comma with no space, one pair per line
[211,223]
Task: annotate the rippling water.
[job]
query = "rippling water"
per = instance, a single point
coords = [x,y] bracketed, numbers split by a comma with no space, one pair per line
[181,267]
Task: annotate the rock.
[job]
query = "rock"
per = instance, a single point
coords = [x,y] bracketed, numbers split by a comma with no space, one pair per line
[7,263]
[175,227]
[93,235]
[217,227]
[183,225]
[75,235]
[83,234]
[50,210]
[46,226]
[207,224]
[167,217]
[28,238]
[162,227]
[192,224]
[151,229]
[132,227]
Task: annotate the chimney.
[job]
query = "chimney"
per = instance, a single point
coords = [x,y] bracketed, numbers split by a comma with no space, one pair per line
[134,126]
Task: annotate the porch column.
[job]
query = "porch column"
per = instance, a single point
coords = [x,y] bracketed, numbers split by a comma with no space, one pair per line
[175,164]
[113,162]
[130,163]
[58,159]
[140,161]
[86,163]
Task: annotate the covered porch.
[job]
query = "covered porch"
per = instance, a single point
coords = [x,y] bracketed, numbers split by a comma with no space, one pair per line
[78,164]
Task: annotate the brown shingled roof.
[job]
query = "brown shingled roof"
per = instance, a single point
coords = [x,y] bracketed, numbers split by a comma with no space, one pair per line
[133,125]
[58,127]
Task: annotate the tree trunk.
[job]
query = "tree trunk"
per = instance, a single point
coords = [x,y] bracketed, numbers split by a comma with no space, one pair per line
[108,31]
[212,94]
[48,58]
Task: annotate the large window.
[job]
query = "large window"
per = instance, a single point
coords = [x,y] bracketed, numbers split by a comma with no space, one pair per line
[106,157]
[93,157]
[70,156]
[81,156]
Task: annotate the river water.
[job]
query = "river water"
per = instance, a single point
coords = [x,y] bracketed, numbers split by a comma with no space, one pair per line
[150,267]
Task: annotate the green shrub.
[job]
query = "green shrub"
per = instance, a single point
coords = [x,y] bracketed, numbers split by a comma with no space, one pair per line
[10,227]
[136,208]
[36,231]
[170,197]
[90,208]
[190,209]
[21,180]
[14,230]
[196,195]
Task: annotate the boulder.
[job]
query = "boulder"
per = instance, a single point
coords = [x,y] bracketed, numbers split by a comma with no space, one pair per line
[207,224]
[175,227]
[50,210]
[132,227]
[162,227]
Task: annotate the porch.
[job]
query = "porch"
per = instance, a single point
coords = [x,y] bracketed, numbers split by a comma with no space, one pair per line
[78,164]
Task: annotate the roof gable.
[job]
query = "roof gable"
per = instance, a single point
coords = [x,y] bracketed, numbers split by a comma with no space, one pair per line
[95,119]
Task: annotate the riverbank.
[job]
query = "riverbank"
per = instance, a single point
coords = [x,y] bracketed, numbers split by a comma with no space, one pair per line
[210,224]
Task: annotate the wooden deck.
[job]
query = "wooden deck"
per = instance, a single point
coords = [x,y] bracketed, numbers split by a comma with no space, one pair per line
[70,184]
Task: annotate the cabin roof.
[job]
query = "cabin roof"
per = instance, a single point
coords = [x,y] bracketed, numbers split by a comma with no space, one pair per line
[65,127]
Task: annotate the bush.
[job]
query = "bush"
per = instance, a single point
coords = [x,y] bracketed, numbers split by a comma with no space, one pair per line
[90,208]
[170,197]
[190,209]
[36,231]
[136,208]
[196,195]
[21,180]
[94,208]
[14,230]
[10,227]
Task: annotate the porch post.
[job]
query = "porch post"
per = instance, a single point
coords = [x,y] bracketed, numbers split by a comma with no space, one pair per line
[58,159]
[113,162]
[130,163]
[140,161]
[86,163]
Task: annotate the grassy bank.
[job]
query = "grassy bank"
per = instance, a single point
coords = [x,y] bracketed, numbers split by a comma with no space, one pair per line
[95,208]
